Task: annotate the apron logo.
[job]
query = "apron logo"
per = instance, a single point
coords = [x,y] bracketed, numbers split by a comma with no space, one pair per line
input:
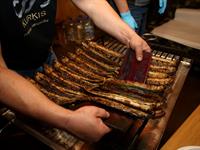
[22,7]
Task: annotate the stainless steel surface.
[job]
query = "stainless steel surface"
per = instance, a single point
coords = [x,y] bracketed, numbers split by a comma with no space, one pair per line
[164,55]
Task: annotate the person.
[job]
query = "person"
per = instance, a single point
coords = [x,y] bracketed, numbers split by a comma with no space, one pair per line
[26,34]
[134,13]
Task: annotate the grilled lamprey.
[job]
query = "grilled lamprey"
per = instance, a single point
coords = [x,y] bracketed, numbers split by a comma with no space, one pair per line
[105,50]
[113,71]
[159,75]
[163,69]
[92,53]
[47,82]
[117,106]
[78,74]
[80,70]
[129,85]
[163,62]
[160,82]
[150,97]
[64,81]
[51,73]
[132,102]
[89,66]
[102,65]
[73,77]
[134,92]
[61,137]
[50,88]
[60,100]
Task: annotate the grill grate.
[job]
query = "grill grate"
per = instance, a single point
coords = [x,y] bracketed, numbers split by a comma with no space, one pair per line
[119,47]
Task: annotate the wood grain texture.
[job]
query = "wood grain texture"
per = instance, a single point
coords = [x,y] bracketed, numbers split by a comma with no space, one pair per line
[66,9]
[187,134]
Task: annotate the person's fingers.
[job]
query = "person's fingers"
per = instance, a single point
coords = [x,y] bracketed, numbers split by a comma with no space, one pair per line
[161,3]
[139,45]
[102,113]
[105,127]
[164,7]
[146,48]
[139,53]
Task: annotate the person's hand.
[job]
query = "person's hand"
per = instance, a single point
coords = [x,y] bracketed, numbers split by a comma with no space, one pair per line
[139,45]
[162,6]
[128,18]
[86,123]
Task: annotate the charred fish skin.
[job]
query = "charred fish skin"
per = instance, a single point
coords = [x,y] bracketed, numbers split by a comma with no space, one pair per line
[135,103]
[92,53]
[118,106]
[98,63]
[163,69]
[134,85]
[77,79]
[163,62]
[61,137]
[58,99]
[50,72]
[143,97]
[159,75]
[88,66]
[157,81]
[105,50]
[74,73]
[148,95]
[89,61]
[45,85]
[44,80]
[82,71]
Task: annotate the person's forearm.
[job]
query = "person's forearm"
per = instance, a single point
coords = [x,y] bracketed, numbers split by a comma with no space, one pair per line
[122,5]
[20,95]
[107,19]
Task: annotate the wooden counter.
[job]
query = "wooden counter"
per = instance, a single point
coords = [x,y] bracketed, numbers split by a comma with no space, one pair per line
[183,29]
[187,134]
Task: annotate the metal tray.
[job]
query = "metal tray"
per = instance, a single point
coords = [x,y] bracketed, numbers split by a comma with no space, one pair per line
[125,130]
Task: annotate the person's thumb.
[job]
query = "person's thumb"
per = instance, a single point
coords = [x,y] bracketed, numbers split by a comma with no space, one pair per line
[102,113]
[139,53]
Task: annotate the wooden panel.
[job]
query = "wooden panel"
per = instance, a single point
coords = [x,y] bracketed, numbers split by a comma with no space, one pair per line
[65,9]
[187,134]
